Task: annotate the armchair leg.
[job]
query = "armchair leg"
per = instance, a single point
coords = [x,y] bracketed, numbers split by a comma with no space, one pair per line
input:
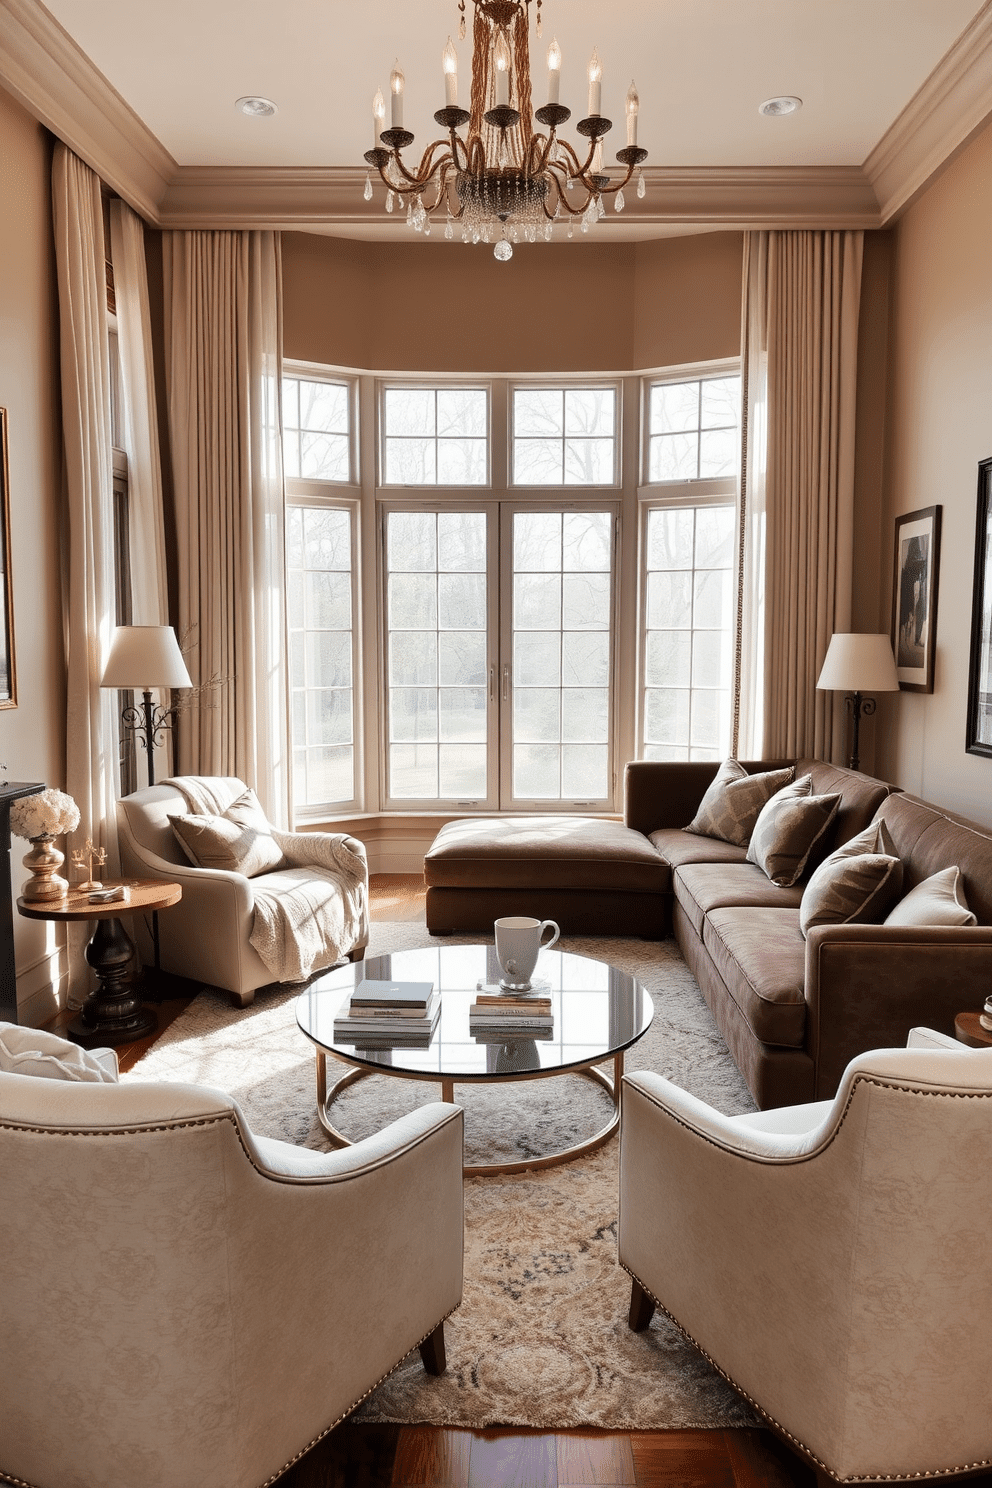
[358,954]
[242,999]
[641,1308]
[432,1351]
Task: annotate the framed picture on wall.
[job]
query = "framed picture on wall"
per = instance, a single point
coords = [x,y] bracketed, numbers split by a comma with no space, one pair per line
[8,676]
[978,738]
[914,598]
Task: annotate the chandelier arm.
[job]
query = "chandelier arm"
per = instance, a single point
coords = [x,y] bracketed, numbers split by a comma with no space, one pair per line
[616,186]
[427,168]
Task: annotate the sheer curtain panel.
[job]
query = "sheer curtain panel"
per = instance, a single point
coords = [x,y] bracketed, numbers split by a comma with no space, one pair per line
[91,736]
[224,328]
[801,301]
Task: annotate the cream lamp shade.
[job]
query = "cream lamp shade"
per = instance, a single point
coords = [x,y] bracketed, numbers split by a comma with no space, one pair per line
[145,656]
[858,663]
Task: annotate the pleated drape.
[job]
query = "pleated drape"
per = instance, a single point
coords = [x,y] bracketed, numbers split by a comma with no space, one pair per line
[223,317]
[802,294]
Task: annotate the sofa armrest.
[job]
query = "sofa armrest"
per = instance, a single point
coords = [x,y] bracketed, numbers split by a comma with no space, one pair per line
[667,793]
[868,985]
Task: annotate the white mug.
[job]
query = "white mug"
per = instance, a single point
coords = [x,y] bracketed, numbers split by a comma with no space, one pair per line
[518,940]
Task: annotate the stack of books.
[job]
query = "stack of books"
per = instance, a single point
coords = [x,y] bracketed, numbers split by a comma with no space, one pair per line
[497,1017]
[389,1015]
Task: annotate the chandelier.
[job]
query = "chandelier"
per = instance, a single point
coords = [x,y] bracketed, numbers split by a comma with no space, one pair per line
[501,179]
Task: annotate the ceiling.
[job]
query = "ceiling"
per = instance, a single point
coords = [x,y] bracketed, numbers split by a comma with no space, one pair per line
[877,78]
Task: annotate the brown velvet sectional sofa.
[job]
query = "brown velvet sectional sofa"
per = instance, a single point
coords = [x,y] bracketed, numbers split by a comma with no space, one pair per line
[793,1011]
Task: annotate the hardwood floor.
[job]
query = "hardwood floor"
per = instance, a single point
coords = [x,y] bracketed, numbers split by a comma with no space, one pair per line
[373,1456]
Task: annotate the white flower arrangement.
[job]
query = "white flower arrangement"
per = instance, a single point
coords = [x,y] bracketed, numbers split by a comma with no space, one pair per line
[48,814]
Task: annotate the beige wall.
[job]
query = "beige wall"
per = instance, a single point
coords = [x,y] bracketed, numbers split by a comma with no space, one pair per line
[568,307]
[32,735]
[939,427]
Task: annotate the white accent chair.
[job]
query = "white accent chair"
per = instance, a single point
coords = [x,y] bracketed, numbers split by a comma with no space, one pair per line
[183,1303]
[206,936]
[834,1260]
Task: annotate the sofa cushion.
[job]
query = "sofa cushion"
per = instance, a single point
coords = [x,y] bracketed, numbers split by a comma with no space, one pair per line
[700,887]
[857,884]
[928,840]
[572,852]
[790,828]
[732,803]
[677,846]
[860,797]
[761,957]
[938,900]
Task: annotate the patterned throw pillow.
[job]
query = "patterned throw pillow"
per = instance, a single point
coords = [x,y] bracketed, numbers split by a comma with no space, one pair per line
[240,841]
[856,885]
[938,900]
[733,801]
[788,830]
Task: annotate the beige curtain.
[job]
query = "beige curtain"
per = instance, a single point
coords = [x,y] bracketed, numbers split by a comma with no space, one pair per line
[89,594]
[224,328]
[146,526]
[801,300]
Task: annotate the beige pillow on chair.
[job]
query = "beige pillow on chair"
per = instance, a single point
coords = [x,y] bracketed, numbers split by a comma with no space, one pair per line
[239,841]
[733,800]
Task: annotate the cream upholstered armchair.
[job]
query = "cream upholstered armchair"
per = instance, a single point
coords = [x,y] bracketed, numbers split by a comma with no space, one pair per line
[833,1260]
[183,1303]
[298,904]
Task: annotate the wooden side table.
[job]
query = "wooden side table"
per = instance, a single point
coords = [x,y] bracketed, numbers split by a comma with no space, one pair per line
[112,1014]
[968,1030]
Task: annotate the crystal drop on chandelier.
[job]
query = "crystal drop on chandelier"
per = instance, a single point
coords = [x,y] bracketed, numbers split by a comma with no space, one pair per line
[503,250]
[367,193]
[618,202]
[642,190]
[448,230]
[389,201]
[600,208]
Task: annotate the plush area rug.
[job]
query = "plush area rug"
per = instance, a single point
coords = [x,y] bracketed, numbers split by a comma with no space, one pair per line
[541,1338]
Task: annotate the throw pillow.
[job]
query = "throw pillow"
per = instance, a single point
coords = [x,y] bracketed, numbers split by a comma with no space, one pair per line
[788,830]
[938,900]
[239,841]
[731,805]
[31,1051]
[856,885]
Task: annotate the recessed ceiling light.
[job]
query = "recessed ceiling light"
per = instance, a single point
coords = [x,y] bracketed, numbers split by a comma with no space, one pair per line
[256,108]
[774,108]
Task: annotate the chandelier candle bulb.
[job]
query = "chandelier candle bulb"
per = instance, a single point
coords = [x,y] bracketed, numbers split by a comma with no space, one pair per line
[554,70]
[378,114]
[502,60]
[595,85]
[396,84]
[449,64]
[633,105]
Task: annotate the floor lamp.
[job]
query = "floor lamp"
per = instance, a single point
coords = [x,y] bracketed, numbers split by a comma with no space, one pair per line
[142,657]
[857,664]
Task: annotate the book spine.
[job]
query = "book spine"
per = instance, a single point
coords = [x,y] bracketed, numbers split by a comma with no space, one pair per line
[492,1025]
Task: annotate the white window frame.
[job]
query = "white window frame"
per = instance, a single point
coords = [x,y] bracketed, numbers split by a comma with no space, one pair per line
[565,384]
[430,384]
[334,495]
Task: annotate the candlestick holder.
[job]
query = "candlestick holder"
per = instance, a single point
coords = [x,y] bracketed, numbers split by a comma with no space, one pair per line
[85,857]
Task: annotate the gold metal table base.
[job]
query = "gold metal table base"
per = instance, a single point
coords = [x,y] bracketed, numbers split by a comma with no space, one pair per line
[326,1098]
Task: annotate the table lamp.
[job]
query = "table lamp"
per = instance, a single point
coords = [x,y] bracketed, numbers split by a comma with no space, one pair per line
[857,664]
[143,657]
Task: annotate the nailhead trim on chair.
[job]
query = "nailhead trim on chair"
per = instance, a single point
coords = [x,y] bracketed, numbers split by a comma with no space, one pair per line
[859,1079]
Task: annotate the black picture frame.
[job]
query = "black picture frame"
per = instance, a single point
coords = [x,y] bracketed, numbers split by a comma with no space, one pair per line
[8,671]
[978,737]
[916,560]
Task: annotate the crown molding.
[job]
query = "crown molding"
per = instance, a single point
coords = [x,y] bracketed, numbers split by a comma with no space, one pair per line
[939,120]
[330,200]
[47,72]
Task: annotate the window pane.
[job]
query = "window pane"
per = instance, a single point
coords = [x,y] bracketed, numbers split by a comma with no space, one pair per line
[461,601]
[717,453]
[412,601]
[324,406]
[537,771]
[328,538]
[462,715]
[537,658]
[328,659]
[413,658]
[409,411]
[715,534]
[583,771]
[330,774]
[668,658]
[461,540]
[537,542]
[413,771]
[721,403]
[585,658]
[585,601]
[316,429]
[537,601]
[328,601]
[461,658]
[584,715]
[461,462]
[324,457]
[412,713]
[712,600]
[589,462]
[670,600]
[537,462]
[412,541]
[673,457]
[674,406]
[670,538]
[587,541]
[462,771]
[461,413]
[536,714]
[538,411]
[411,462]
[329,716]
[590,410]
[666,716]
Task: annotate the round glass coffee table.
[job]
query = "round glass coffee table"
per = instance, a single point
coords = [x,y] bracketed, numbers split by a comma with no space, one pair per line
[598,1012]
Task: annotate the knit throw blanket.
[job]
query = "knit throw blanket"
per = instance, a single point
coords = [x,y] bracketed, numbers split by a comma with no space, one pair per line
[309,913]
